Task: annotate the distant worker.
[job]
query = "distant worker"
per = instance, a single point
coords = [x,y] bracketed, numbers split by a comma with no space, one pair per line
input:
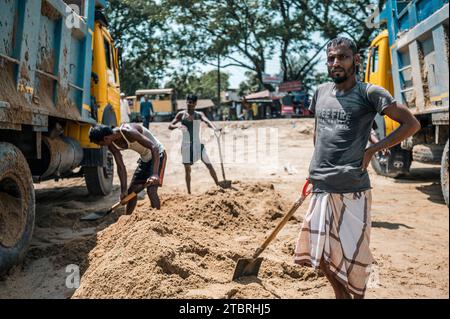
[147,112]
[191,149]
[125,112]
[151,165]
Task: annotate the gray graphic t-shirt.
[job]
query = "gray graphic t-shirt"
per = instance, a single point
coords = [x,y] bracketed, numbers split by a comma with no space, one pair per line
[343,124]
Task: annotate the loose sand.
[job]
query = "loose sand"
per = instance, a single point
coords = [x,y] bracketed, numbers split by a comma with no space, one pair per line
[189,248]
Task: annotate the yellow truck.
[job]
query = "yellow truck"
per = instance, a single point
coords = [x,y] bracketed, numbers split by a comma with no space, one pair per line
[410,59]
[59,77]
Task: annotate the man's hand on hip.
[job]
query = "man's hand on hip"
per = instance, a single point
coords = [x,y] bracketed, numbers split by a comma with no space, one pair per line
[369,153]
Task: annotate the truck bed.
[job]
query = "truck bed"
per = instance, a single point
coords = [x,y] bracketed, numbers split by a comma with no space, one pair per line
[45,62]
[420,55]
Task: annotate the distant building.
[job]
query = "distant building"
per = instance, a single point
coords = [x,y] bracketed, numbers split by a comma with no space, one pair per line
[294,100]
[231,106]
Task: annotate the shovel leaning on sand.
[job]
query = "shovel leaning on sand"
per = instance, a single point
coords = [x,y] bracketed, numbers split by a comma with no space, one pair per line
[99,215]
[225,183]
[250,266]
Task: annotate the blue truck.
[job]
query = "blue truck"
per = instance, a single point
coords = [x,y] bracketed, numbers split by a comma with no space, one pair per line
[410,59]
[58,77]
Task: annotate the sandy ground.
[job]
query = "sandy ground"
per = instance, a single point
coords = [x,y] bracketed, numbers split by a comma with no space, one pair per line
[189,248]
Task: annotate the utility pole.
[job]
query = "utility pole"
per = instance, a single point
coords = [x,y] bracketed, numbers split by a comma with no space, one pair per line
[218,80]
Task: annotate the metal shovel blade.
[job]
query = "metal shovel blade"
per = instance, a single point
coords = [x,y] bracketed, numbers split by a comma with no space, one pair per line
[225,184]
[98,215]
[95,216]
[247,267]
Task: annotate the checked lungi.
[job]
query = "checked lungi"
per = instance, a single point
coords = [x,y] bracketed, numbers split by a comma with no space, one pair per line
[336,228]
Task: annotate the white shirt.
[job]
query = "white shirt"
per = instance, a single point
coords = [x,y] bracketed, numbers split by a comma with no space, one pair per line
[146,153]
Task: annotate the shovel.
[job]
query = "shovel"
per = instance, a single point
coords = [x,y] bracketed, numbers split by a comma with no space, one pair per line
[225,183]
[250,266]
[99,215]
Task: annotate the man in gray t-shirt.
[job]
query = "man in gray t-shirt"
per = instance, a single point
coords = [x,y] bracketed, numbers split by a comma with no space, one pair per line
[343,124]
[335,233]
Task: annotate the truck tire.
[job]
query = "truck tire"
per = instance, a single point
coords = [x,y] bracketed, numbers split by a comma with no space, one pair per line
[99,180]
[444,174]
[428,153]
[17,206]
[394,165]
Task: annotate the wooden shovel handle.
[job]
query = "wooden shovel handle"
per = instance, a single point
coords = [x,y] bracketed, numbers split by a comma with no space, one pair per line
[129,197]
[124,201]
[285,219]
[220,154]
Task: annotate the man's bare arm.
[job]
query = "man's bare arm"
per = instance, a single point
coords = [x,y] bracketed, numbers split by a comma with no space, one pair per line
[121,169]
[409,125]
[207,121]
[176,120]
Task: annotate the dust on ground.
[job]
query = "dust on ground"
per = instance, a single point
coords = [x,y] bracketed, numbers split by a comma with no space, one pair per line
[189,248]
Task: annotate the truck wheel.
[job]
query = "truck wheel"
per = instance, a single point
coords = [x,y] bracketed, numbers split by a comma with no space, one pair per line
[394,165]
[444,174]
[428,153]
[17,206]
[99,180]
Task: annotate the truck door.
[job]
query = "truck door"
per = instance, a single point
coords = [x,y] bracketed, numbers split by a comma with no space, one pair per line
[111,111]
[379,72]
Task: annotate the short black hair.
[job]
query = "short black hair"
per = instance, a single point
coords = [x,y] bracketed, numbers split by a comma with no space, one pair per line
[343,41]
[99,132]
[192,97]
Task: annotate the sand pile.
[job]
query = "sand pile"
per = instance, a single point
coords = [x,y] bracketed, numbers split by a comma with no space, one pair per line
[189,248]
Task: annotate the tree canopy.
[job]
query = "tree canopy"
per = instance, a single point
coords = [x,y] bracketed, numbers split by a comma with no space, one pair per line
[241,33]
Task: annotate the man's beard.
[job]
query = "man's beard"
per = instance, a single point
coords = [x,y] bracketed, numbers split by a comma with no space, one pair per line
[345,77]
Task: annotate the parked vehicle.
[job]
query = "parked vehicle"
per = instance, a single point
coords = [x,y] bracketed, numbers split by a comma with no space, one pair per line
[59,77]
[164,103]
[410,59]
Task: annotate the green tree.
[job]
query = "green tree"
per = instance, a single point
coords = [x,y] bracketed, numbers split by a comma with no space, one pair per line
[243,33]
[138,28]
[291,29]
[349,18]
[250,85]
[203,85]
[302,68]
[208,29]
